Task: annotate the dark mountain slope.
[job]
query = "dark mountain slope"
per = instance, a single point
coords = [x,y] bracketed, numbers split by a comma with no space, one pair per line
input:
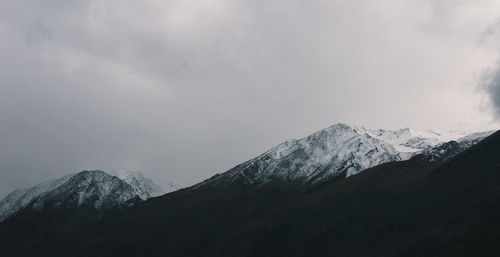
[420,207]
[399,209]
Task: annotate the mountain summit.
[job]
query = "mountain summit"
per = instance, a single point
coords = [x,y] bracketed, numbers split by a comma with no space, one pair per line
[339,151]
[144,187]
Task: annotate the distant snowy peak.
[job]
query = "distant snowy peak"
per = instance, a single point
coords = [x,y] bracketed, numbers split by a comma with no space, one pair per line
[409,140]
[169,187]
[339,150]
[96,189]
[144,187]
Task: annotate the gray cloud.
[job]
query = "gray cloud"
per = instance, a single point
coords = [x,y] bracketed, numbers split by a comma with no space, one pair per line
[491,84]
[184,89]
[490,77]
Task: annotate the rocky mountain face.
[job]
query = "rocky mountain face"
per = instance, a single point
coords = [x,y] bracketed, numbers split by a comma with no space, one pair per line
[94,189]
[341,151]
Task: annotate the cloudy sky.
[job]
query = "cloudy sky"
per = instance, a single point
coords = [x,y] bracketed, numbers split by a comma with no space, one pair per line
[183,89]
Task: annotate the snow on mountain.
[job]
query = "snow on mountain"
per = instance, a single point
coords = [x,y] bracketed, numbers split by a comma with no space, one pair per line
[20,198]
[340,150]
[410,141]
[91,188]
[169,187]
[95,189]
[446,151]
[474,138]
[144,187]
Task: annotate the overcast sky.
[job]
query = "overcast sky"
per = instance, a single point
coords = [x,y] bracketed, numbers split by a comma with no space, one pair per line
[184,89]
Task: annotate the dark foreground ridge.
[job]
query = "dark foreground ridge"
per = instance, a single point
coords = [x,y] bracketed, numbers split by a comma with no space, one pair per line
[420,207]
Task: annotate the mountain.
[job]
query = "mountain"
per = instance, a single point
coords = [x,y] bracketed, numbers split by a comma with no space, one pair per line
[304,197]
[20,198]
[144,187]
[91,189]
[87,188]
[425,206]
[53,208]
[337,152]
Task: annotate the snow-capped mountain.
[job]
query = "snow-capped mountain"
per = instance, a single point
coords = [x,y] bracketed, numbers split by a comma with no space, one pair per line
[447,150]
[95,189]
[143,187]
[408,142]
[340,150]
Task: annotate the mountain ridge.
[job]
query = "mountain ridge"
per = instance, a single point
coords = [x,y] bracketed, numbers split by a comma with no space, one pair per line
[339,150]
[419,207]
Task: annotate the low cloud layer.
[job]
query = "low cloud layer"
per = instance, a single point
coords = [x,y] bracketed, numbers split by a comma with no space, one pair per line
[182,89]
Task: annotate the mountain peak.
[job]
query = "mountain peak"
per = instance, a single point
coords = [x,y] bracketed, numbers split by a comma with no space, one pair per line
[94,188]
[90,188]
[339,150]
[342,126]
[144,187]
